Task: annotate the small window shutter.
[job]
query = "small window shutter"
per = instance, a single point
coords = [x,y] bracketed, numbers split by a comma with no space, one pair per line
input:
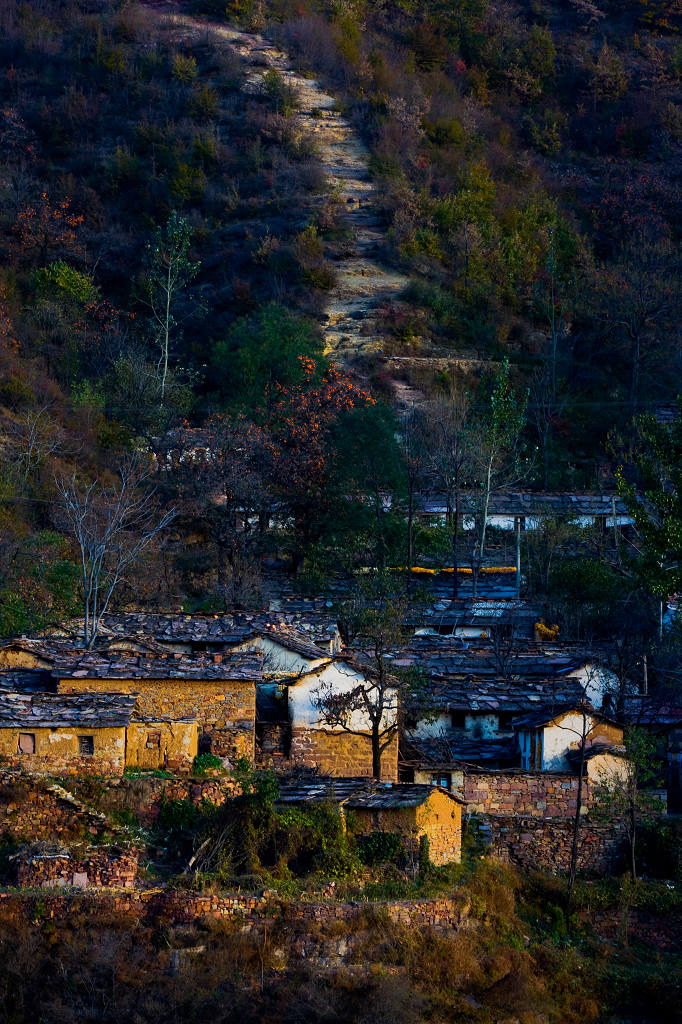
[27,743]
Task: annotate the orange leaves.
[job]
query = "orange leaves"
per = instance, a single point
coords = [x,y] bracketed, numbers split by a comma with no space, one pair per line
[48,229]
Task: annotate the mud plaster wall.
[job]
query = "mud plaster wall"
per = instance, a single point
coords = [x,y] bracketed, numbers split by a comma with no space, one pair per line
[439,819]
[225,710]
[56,749]
[161,744]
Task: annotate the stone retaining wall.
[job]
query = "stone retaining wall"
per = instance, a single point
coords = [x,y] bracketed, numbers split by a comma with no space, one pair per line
[530,794]
[145,795]
[534,844]
[249,911]
[102,867]
[29,812]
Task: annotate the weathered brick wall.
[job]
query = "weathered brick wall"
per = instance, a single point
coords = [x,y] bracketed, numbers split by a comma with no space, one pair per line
[104,867]
[341,753]
[531,794]
[226,710]
[533,844]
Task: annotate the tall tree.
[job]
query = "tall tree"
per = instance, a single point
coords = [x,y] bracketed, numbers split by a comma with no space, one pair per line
[168,271]
[495,442]
[370,707]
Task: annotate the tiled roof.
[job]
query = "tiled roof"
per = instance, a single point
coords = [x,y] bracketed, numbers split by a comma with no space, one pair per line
[437,752]
[247,666]
[294,641]
[519,503]
[358,793]
[225,629]
[546,716]
[93,710]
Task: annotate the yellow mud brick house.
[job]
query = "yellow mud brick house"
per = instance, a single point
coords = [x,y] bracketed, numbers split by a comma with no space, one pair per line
[96,734]
[413,812]
[218,691]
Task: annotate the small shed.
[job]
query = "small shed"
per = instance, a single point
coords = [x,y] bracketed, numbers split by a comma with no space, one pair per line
[410,810]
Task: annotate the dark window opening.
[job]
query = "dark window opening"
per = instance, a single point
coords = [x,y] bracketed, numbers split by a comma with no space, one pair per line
[458,719]
[86,746]
[443,780]
[27,743]
[204,746]
[153,740]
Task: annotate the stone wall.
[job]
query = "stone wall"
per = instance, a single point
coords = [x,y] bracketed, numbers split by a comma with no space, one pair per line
[102,867]
[341,753]
[249,911]
[145,795]
[29,812]
[533,844]
[65,764]
[530,794]
[225,710]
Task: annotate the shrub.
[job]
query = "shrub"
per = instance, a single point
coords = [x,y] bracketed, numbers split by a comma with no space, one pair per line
[205,764]
[380,848]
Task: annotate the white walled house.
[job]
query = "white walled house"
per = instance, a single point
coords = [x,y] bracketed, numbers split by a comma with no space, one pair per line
[285,654]
[333,749]
[549,741]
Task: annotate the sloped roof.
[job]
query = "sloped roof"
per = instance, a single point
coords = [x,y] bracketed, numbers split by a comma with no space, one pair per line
[294,641]
[224,629]
[520,503]
[437,752]
[359,793]
[242,666]
[92,710]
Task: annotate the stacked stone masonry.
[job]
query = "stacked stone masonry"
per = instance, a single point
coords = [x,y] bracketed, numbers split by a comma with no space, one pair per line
[529,794]
[534,844]
[104,867]
[341,754]
[30,813]
[225,710]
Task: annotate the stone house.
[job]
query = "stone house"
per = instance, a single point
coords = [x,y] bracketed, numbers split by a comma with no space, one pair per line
[218,692]
[91,734]
[411,811]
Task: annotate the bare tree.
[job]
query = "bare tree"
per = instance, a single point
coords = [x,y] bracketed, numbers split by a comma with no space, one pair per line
[369,706]
[112,526]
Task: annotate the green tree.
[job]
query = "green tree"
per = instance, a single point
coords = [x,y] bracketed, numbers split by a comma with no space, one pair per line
[650,483]
[168,271]
[261,352]
[495,442]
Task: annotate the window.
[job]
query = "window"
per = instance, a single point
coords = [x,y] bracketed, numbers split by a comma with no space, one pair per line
[27,743]
[441,780]
[86,746]
[153,740]
[458,719]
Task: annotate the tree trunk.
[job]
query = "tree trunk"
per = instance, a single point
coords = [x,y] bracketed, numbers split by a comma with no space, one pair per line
[576,824]
[376,753]
[455,566]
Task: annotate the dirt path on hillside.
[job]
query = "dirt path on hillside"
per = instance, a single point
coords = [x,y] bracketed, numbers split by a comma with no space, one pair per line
[363,282]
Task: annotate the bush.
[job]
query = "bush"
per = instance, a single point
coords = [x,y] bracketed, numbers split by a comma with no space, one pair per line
[205,764]
[381,848]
